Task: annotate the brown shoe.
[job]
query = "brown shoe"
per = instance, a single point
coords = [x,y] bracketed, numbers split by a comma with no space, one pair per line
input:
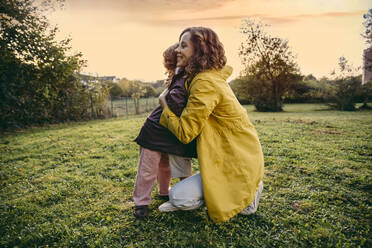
[141,211]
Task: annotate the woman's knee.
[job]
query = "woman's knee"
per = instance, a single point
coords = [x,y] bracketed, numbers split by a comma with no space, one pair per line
[185,202]
[187,190]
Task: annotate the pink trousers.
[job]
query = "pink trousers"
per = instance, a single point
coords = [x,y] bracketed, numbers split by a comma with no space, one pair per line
[152,165]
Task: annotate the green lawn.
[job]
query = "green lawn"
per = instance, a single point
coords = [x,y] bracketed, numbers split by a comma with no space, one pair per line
[70,185]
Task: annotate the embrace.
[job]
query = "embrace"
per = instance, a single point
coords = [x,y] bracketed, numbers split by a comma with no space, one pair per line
[199,116]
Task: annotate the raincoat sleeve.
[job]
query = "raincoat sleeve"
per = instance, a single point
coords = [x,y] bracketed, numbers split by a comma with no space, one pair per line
[202,100]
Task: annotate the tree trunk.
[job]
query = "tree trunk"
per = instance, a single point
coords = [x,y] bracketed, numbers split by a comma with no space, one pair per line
[112,107]
[278,104]
[91,107]
[275,101]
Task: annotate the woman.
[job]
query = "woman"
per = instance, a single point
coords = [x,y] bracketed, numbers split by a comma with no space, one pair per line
[228,148]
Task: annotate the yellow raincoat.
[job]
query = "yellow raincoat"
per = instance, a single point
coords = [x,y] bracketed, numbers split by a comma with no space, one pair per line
[229,152]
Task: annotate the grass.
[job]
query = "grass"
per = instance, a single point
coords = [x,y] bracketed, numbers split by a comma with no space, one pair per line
[70,185]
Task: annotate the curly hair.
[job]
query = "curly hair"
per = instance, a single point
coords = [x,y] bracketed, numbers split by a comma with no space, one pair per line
[208,51]
[170,60]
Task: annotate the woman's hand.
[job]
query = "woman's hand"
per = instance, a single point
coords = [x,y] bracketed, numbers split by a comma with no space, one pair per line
[162,101]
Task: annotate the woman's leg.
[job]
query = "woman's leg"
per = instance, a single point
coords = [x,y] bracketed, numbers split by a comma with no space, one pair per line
[146,176]
[252,208]
[164,175]
[185,195]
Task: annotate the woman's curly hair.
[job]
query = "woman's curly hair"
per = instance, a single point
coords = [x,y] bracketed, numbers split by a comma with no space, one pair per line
[170,60]
[208,51]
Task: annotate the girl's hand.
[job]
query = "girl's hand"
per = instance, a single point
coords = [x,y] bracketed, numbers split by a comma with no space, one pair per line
[162,101]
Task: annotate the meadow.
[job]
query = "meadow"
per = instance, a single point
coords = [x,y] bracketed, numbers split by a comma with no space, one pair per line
[70,185]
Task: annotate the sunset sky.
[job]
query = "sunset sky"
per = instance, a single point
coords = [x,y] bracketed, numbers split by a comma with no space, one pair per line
[126,38]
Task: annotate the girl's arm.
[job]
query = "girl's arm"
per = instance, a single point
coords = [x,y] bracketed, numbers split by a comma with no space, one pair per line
[176,100]
[201,102]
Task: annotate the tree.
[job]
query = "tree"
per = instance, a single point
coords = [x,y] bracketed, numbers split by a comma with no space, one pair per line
[116,91]
[269,66]
[38,79]
[137,91]
[310,77]
[99,92]
[367,58]
[133,89]
[148,91]
[367,34]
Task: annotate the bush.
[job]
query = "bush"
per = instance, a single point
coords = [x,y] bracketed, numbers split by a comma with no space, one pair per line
[345,93]
[346,88]
[366,94]
[305,91]
[240,90]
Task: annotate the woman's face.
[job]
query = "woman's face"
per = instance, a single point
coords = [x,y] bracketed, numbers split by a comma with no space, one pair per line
[184,50]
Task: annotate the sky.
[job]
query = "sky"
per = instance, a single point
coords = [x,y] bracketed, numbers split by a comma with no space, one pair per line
[126,38]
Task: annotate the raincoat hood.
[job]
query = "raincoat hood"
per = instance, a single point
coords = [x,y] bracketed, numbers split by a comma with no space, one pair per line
[225,72]
[215,75]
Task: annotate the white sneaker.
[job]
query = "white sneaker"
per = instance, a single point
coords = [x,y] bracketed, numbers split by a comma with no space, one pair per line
[167,207]
[252,208]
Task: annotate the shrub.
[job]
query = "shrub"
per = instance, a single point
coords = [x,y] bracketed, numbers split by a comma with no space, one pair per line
[346,87]
[345,93]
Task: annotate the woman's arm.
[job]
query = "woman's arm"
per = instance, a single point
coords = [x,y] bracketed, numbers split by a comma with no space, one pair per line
[201,102]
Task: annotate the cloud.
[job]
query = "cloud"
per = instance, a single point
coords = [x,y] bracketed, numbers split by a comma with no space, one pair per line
[190,12]
[267,18]
[150,6]
[331,14]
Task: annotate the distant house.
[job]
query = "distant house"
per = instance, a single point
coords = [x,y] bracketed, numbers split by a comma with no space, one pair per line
[92,81]
[95,79]
[367,65]
[107,78]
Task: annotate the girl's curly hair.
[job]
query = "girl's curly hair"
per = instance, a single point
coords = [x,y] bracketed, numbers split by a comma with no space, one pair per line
[208,51]
[170,60]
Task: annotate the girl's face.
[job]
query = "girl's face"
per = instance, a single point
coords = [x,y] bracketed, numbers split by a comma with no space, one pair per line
[184,50]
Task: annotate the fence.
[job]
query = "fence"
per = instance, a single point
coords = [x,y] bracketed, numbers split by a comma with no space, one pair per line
[125,106]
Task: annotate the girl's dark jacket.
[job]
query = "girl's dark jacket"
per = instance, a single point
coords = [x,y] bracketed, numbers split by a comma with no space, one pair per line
[155,137]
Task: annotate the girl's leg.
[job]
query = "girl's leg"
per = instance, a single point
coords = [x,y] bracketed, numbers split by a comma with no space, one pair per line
[185,195]
[164,175]
[146,176]
[180,166]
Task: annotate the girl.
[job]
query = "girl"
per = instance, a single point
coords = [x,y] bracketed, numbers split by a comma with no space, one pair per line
[159,147]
